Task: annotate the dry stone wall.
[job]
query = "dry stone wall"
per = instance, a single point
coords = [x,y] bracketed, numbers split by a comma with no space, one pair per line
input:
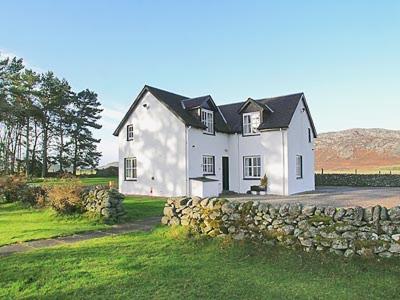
[372,231]
[371,180]
[105,202]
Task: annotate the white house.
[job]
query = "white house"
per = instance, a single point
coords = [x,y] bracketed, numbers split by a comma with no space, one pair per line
[171,145]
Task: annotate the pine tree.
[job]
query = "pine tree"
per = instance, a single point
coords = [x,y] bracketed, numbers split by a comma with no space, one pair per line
[86,113]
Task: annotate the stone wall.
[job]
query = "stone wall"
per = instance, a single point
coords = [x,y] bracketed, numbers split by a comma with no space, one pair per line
[372,180]
[105,202]
[373,231]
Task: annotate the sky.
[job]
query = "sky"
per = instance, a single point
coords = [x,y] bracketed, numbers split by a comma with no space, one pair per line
[344,55]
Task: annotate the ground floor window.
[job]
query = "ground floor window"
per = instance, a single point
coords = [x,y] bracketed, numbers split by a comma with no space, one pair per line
[130,168]
[208,165]
[252,166]
[299,166]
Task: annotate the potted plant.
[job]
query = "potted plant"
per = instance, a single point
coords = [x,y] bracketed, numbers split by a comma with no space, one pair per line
[260,189]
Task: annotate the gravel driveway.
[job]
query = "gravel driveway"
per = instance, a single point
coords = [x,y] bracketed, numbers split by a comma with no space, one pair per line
[334,196]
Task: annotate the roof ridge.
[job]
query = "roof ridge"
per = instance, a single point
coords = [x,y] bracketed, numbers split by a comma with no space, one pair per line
[266,98]
[165,91]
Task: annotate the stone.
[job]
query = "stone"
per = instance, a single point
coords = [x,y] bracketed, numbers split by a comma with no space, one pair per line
[396,237]
[385,254]
[164,220]
[204,202]
[394,213]
[380,248]
[231,229]
[384,213]
[305,242]
[294,210]
[394,248]
[284,210]
[168,211]
[336,251]
[349,253]
[263,207]
[239,236]
[344,228]
[287,229]
[330,211]
[368,214]
[365,252]
[175,221]
[339,244]
[340,213]
[228,208]
[309,210]
[350,235]
[376,213]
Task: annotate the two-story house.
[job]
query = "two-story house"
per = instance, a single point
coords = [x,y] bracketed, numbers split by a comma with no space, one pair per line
[171,145]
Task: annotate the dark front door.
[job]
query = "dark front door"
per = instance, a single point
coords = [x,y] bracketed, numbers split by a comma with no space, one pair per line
[225,173]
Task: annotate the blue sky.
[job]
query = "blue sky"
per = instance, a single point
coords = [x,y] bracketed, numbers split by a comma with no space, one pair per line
[344,55]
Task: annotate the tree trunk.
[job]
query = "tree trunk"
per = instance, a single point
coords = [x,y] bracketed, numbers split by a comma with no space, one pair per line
[44,151]
[61,148]
[27,149]
[75,160]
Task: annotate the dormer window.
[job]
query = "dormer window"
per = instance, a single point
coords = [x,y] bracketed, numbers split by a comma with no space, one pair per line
[207,118]
[129,132]
[251,122]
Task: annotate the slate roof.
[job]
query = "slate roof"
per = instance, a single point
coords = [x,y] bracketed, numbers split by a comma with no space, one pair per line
[283,109]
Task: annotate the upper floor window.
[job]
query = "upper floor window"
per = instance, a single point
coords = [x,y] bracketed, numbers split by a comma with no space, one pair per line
[299,166]
[309,135]
[130,168]
[251,122]
[207,118]
[252,166]
[129,132]
[208,165]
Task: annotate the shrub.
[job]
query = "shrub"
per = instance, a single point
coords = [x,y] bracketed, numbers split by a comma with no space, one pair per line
[66,197]
[15,188]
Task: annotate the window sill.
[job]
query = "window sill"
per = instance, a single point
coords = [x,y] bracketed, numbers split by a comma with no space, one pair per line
[251,178]
[299,177]
[208,174]
[250,134]
[209,133]
[129,140]
[130,179]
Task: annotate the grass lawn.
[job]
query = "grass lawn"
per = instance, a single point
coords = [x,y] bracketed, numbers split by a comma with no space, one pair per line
[83,180]
[19,223]
[165,264]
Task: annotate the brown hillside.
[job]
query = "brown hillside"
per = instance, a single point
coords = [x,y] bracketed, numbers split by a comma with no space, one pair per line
[358,149]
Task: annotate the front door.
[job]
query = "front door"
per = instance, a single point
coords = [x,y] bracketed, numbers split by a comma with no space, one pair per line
[225,173]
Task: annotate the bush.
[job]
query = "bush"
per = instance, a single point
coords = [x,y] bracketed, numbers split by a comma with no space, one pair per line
[66,197]
[107,172]
[15,188]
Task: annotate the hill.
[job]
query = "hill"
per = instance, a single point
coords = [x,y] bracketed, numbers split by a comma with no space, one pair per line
[362,149]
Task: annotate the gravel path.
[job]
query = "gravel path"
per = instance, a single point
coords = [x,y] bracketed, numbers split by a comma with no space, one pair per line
[334,196]
[141,225]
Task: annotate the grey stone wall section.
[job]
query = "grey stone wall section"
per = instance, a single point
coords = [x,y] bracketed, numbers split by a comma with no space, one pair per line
[366,180]
[372,231]
[105,202]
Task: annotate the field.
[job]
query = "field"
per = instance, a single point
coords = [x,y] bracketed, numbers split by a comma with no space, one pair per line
[23,223]
[169,263]
[166,264]
[84,180]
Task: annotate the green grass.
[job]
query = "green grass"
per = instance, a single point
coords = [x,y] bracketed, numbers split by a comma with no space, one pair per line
[165,264]
[20,223]
[84,180]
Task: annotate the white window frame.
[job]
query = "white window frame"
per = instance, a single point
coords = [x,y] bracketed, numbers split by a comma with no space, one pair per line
[129,132]
[208,165]
[130,168]
[207,118]
[251,122]
[299,166]
[252,167]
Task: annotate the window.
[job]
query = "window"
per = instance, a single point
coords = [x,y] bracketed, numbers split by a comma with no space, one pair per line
[251,121]
[309,135]
[129,132]
[207,118]
[299,166]
[208,165]
[130,168]
[252,166]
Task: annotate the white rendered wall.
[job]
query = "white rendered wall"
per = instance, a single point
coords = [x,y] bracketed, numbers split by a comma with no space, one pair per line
[159,147]
[204,144]
[298,145]
[204,189]
[272,147]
